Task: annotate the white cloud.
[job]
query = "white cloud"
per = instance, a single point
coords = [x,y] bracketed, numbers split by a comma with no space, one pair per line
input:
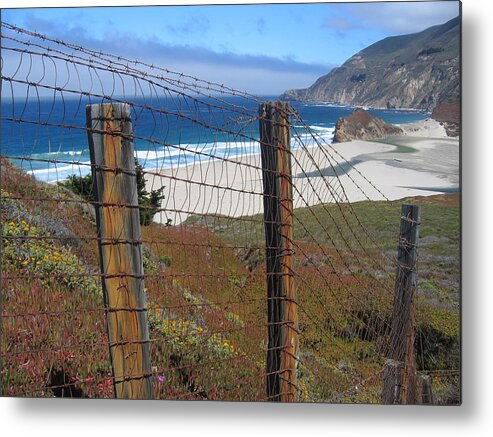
[406,17]
[258,74]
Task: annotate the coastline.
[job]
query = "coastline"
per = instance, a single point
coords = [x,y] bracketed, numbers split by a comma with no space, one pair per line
[421,162]
[365,107]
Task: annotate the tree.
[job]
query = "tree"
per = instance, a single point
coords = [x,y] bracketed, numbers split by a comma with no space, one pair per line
[81,185]
[149,203]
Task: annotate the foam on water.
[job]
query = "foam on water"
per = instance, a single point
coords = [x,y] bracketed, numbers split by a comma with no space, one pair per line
[183,151]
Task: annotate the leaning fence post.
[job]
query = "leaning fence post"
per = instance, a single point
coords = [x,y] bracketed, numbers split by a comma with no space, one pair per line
[117,217]
[282,352]
[403,319]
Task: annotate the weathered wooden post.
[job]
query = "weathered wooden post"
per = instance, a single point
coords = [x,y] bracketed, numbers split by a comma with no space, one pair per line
[117,216]
[403,319]
[391,391]
[426,391]
[282,352]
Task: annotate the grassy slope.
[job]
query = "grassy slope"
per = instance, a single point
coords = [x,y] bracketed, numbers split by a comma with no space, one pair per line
[53,319]
[208,302]
[336,264]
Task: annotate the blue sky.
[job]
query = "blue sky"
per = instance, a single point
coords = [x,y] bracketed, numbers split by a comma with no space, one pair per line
[263,49]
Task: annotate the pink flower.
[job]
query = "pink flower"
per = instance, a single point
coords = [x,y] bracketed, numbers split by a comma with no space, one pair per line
[160,379]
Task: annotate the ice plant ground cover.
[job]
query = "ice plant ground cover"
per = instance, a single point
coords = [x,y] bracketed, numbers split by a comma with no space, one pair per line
[207,317]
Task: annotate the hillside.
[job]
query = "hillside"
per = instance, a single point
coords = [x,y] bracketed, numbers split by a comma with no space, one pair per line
[448,114]
[419,70]
[206,300]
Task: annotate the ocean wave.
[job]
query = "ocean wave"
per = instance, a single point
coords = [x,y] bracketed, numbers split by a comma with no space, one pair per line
[55,173]
[59,153]
[320,132]
[54,168]
[331,105]
[324,129]
[171,156]
[319,129]
[221,148]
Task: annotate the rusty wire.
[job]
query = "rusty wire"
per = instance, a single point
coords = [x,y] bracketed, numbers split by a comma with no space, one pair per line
[203,258]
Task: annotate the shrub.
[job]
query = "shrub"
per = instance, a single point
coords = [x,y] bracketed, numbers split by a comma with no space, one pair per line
[31,250]
[430,51]
[149,203]
[165,260]
[358,78]
[234,318]
[187,337]
[80,185]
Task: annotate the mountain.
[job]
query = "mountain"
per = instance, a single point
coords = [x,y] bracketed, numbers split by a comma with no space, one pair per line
[419,70]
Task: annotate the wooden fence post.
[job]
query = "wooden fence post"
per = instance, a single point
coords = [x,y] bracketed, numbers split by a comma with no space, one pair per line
[391,382]
[282,352]
[425,390]
[117,217]
[403,319]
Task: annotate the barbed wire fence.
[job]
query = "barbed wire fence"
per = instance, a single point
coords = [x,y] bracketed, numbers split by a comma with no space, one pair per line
[181,227]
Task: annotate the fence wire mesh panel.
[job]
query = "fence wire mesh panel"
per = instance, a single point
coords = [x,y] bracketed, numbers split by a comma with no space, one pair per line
[147,276]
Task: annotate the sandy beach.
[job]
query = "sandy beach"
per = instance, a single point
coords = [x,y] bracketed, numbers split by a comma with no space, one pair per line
[423,161]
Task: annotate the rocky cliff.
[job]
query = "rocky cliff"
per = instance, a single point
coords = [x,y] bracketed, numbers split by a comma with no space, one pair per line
[419,70]
[448,114]
[361,125]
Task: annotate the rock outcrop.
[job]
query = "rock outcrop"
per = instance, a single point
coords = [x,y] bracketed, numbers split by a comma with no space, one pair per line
[448,114]
[420,70]
[361,125]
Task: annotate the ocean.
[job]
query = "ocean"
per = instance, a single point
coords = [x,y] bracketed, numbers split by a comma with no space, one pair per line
[182,132]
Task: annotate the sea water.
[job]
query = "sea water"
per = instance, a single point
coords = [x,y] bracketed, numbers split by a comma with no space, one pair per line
[47,137]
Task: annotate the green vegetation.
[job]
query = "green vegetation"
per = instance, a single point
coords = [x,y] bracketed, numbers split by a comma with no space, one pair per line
[205,285]
[31,251]
[165,260]
[80,185]
[149,203]
[430,51]
[328,239]
[358,77]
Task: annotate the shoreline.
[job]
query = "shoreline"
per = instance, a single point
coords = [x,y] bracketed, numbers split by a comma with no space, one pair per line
[57,163]
[382,169]
[366,107]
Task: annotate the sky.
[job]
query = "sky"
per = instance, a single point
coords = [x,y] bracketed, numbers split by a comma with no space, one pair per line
[264,48]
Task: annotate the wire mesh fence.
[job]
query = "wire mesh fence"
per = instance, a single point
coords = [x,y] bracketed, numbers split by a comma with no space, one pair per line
[200,190]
